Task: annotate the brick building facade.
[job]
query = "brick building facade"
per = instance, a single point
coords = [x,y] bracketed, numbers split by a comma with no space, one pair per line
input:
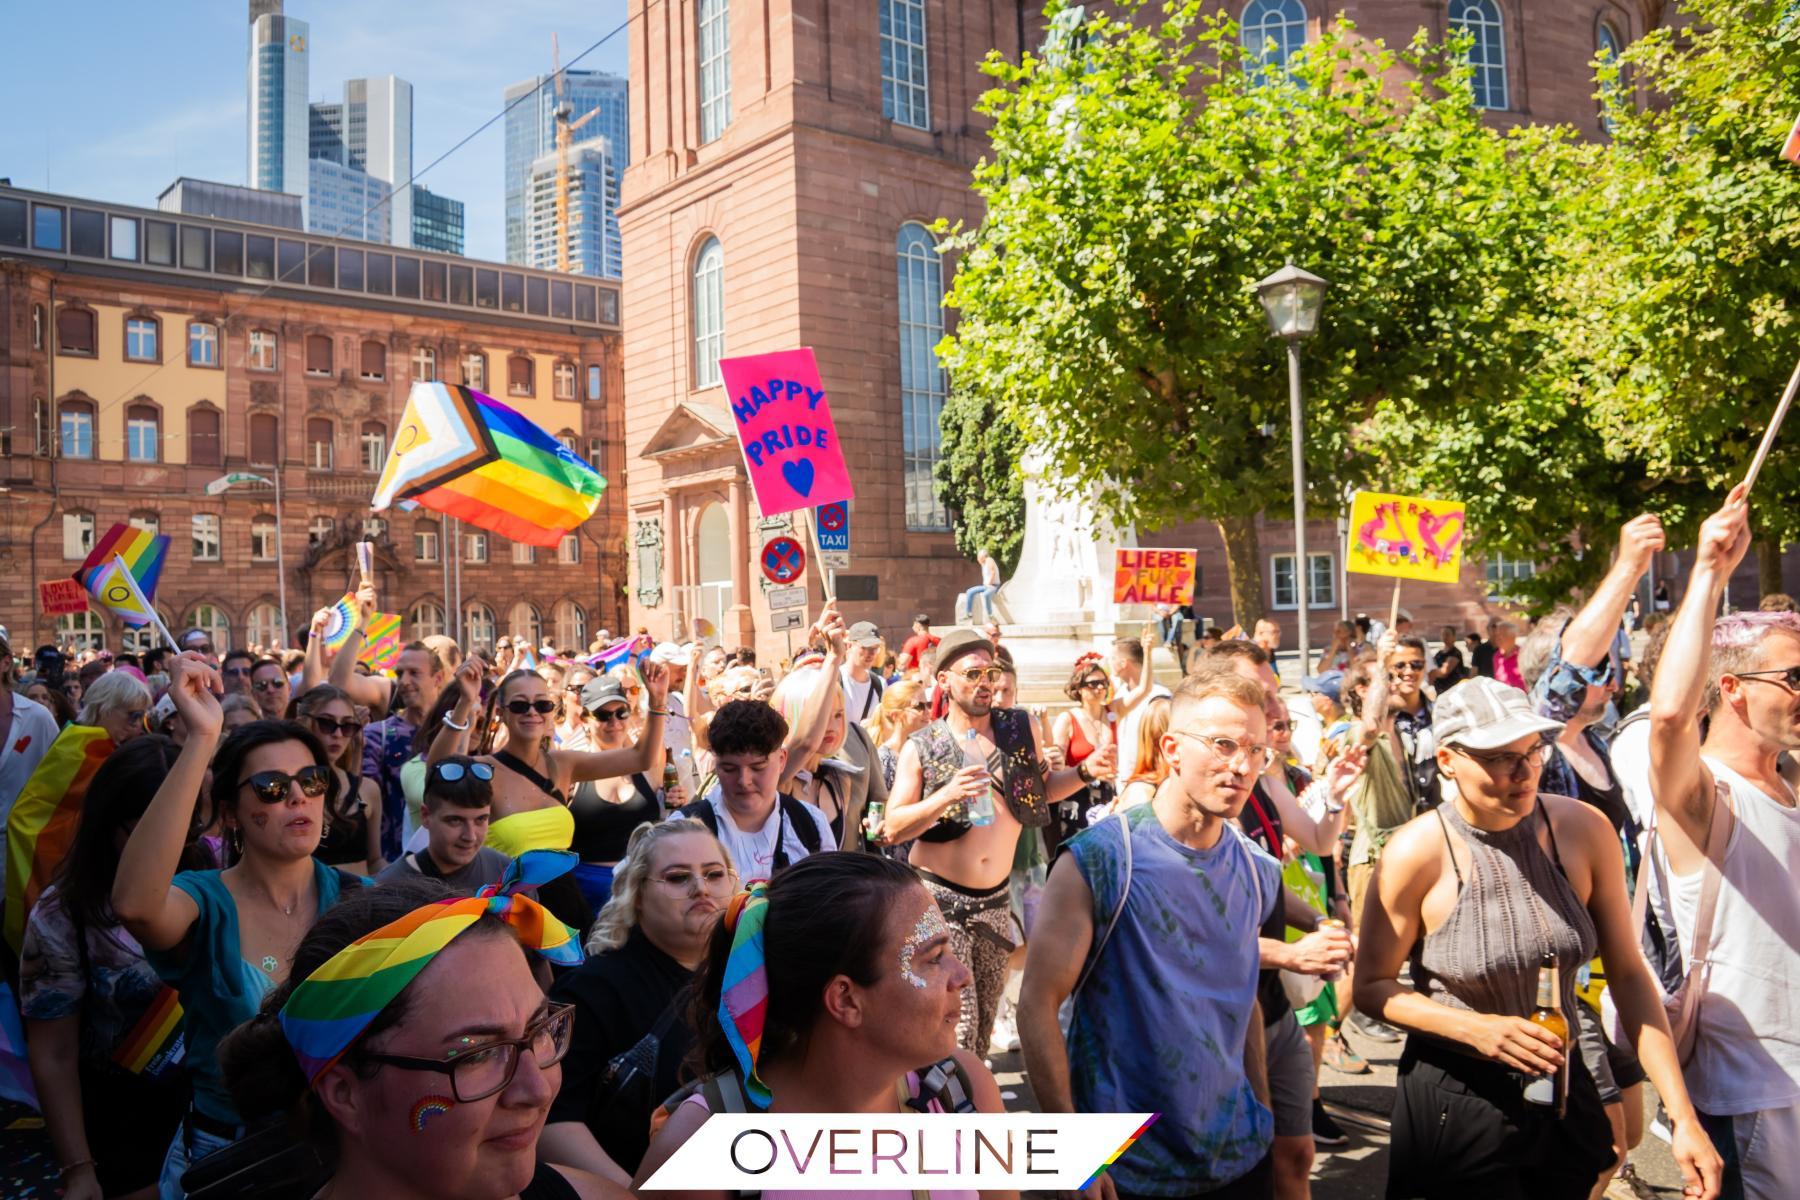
[787,158]
[143,355]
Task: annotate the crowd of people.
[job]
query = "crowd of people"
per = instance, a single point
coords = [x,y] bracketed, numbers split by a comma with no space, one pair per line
[507,922]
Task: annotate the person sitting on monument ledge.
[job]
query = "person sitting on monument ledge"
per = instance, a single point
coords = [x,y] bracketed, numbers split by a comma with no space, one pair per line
[965,787]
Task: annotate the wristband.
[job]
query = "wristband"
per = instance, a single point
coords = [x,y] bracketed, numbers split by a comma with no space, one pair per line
[450,723]
[70,1169]
[658,712]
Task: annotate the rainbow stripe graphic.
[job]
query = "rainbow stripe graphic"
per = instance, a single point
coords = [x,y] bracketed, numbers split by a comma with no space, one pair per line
[469,456]
[1114,1156]
[154,1043]
[345,620]
[429,1107]
[142,552]
[381,641]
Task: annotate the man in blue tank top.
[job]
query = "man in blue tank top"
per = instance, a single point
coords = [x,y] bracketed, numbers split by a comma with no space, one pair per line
[1163,978]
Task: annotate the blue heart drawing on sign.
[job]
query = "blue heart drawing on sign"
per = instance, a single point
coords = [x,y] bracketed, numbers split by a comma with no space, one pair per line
[799,475]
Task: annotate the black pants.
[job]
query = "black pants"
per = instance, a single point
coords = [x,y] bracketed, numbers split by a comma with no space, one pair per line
[1463,1130]
[1257,1184]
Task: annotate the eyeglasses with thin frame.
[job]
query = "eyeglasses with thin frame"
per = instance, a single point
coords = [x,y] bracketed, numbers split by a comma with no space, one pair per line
[1238,754]
[1508,764]
[712,879]
[273,787]
[331,728]
[450,772]
[483,1069]
[520,707]
[1787,677]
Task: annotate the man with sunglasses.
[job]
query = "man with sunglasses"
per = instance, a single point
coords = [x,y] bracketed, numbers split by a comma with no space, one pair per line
[965,865]
[1407,665]
[459,795]
[269,688]
[234,672]
[1722,806]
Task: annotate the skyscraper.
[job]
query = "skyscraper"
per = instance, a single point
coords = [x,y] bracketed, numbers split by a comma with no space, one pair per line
[369,133]
[437,221]
[278,133]
[593,211]
[531,133]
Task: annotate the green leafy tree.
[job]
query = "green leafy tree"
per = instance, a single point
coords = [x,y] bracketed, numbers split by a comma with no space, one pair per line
[1146,172]
[978,479]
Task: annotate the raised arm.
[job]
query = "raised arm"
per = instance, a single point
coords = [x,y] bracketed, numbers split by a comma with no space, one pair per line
[144,896]
[1682,785]
[808,732]
[1319,836]
[1588,639]
[1131,697]
[1377,721]
[313,671]
[458,735]
[632,760]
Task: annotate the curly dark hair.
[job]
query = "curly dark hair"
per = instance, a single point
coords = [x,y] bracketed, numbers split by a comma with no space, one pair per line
[746,727]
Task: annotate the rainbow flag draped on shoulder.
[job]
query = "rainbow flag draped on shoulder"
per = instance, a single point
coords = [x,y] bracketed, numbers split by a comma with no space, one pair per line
[41,828]
[469,456]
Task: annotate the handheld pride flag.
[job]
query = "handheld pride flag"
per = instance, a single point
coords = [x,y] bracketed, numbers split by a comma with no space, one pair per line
[125,551]
[345,620]
[381,641]
[467,455]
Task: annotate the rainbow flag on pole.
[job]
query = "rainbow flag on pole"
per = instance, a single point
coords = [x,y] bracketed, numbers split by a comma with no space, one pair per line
[469,456]
[41,828]
[381,641]
[631,649]
[125,549]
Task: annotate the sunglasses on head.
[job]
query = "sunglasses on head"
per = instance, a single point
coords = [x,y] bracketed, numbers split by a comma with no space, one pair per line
[331,728]
[521,707]
[272,787]
[451,772]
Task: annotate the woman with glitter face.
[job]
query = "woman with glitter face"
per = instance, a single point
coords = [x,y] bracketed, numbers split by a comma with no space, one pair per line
[858,997]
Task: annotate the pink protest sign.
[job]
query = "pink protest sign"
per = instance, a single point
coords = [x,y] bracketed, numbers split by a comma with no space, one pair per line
[784,426]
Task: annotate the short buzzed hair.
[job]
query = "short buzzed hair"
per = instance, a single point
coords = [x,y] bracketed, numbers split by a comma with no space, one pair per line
[1225,651]
[1216,678]
[437,664]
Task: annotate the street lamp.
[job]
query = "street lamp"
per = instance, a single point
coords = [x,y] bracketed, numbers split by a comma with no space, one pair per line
[1291,300]
[225,483]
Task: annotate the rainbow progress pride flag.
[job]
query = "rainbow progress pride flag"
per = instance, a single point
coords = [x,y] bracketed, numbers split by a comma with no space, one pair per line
[40,830]
[381,641]
[467,455]
[142,553]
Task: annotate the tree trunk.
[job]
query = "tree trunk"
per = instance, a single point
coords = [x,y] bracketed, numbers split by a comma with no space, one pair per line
[1768,566]
[1243,564]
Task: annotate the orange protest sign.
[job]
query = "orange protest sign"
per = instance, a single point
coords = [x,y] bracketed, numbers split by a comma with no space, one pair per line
[1154,576]
[1407,537]
[58,596]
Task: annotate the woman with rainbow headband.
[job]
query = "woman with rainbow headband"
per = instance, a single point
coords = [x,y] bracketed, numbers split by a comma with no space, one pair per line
[409,1083]
[843,997]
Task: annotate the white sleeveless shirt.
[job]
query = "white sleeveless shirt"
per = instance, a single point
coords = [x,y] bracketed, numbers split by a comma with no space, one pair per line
[1747,1054]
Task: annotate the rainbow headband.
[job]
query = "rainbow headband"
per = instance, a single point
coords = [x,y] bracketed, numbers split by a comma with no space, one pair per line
[331,1008]
[744,993]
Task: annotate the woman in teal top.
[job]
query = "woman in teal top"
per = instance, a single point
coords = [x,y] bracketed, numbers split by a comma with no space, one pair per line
[224,938]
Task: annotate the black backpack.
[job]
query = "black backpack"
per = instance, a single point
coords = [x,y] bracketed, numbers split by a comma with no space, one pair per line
[793,812]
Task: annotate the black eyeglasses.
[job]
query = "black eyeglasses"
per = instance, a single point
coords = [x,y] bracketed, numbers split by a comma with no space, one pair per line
[609,715]
[272,787]
[521,707]
[483,1069]
[1506,764]
[1787,677]
[235,672]
[331,728]
[451,772]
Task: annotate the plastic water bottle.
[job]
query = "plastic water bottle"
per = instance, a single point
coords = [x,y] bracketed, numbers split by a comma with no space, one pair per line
[981,808]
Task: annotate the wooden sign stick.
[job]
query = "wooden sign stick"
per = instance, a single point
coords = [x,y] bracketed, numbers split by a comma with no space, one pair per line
[1394,607]
[1768,441]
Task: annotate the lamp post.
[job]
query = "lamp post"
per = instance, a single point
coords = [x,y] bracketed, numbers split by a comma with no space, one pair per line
[1291,300]
[223,484]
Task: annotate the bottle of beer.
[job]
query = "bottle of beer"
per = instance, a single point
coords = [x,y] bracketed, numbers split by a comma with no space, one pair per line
[1552,1090]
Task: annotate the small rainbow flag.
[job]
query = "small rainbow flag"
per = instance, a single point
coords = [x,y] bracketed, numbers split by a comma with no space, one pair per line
[345,620]
[154,1044]
[40,830]
[381,641]
[626,649]
[469,456]
[142,554]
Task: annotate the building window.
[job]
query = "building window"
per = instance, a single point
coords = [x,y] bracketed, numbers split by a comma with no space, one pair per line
[262,350]
[149,522]
[568,551]
[265,438]
[41,424]
[203,437]
[207,537]
[594,446]
[565,381]
[593,381]
[571,626]
[922,386]
[427,620]
[1272,32]
[474,369]
[262,539]
[141,338]
[1487,49]
[373,445]
[523,621]
[318,354]
[319,530]
[523,553]
[374,361]
[262,626]
[424,365]
[141,425]
[37,327]
[715,68]
[478,627]
[475,546]
[144,638]
[81,631]
[903,91]
[318,443]
[374,529]
[521,378]
[709,312]
[75,331]
[1503,572]
[77,429]
[203,344]
[567,438]
[425,541]
[211,618]
[1321,582]
[1608,45]
[78,534]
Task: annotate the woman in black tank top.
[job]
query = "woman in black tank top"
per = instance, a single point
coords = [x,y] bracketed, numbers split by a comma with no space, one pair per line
[351,838]
[607,810]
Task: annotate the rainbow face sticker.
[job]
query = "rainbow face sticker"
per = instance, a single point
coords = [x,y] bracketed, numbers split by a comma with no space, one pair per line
[929,925]
[429,1107]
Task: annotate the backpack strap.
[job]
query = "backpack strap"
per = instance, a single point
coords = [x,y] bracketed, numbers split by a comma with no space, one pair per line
[795,812]
[701,811]
[946,1084]
[1718,837]
[1118,909]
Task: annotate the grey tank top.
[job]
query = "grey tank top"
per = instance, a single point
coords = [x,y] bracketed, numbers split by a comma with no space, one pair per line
[1515,905]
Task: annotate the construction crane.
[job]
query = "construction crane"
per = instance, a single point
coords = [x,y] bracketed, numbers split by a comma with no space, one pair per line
[565,137]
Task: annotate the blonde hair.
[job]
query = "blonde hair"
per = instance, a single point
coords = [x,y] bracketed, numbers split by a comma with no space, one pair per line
[1150,766]
[113,692]
[894,702]
[619,916]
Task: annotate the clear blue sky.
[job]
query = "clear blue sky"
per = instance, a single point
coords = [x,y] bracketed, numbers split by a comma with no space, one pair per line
[114,101]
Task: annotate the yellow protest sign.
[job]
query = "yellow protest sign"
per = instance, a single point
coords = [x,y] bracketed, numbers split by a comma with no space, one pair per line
[1407,537]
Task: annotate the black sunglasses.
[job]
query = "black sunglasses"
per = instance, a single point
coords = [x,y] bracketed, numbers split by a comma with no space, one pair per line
[451,772]
[272,787]
[521,707]
[330,728]
[1787,677]
[612,714]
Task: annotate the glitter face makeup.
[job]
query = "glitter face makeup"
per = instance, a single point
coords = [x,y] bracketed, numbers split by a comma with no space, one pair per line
[928,926]
[429,1107]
